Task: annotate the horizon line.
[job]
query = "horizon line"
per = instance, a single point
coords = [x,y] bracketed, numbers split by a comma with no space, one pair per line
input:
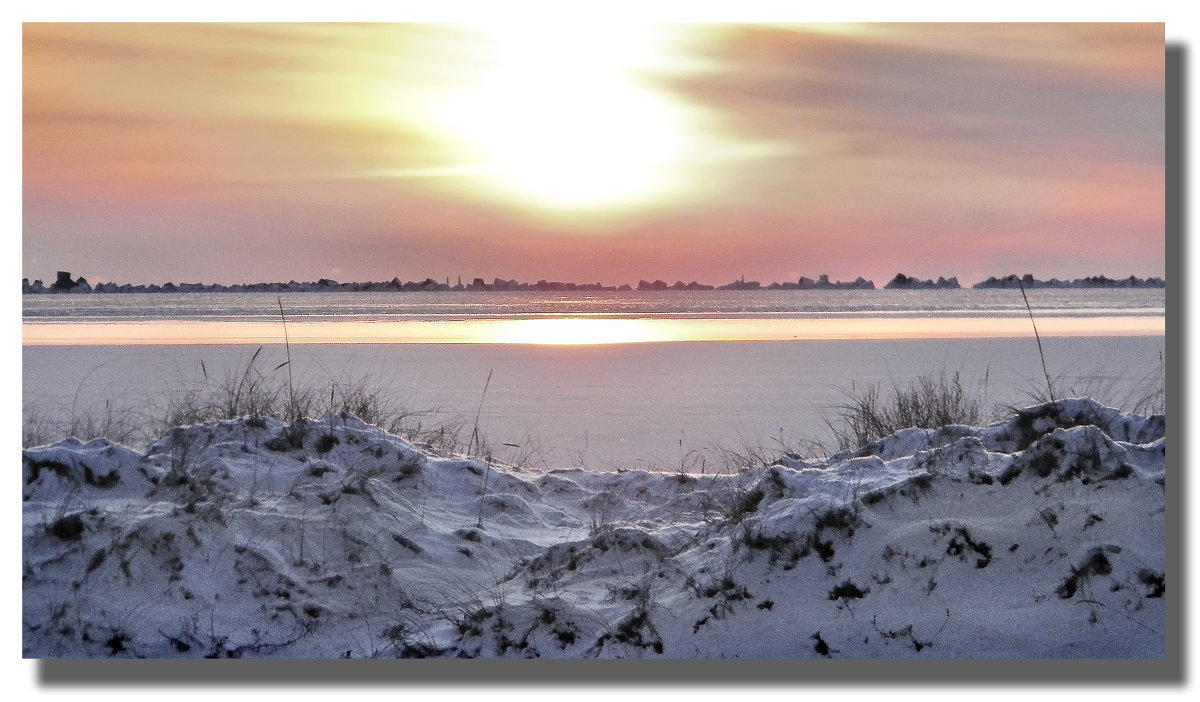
[65,284]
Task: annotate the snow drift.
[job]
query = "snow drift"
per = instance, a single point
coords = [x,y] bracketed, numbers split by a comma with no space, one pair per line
[1039,536]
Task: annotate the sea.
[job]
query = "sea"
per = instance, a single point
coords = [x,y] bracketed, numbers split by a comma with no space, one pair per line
[662,380]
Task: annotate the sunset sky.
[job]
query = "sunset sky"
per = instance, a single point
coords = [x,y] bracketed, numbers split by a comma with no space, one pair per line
[591,152]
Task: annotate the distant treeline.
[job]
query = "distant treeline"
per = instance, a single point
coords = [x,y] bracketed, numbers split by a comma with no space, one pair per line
[64,283]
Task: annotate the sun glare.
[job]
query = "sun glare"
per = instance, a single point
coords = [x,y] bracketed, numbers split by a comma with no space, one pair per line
[574,331]
[568,331]
[560,119]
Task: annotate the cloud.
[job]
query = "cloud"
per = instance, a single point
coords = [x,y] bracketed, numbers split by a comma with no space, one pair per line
[902,93]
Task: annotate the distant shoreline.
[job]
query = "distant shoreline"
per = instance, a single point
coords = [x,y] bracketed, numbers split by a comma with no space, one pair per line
[64,283]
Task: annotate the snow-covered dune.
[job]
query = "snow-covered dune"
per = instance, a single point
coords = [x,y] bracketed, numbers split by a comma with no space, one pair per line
[1040,536]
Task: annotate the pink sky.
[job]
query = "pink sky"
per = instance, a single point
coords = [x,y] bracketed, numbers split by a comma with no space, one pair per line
[210,153]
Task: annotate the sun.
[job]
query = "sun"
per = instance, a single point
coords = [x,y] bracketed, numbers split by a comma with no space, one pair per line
[564,118]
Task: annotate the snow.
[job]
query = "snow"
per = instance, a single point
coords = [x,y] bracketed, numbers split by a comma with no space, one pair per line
[1039,536]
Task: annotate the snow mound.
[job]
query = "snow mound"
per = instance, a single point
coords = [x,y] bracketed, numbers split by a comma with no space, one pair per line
[1039,536]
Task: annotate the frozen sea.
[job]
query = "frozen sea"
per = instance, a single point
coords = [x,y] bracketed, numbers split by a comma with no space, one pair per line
[600,380]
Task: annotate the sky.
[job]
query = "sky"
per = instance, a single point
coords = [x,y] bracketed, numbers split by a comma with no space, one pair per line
[591,151]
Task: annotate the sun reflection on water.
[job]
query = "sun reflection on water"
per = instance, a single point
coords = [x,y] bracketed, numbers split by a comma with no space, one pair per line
[578,331]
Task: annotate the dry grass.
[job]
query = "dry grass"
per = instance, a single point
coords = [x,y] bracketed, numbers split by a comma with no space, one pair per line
[40,427]
[249,391]
[928,402]
[1145,396]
